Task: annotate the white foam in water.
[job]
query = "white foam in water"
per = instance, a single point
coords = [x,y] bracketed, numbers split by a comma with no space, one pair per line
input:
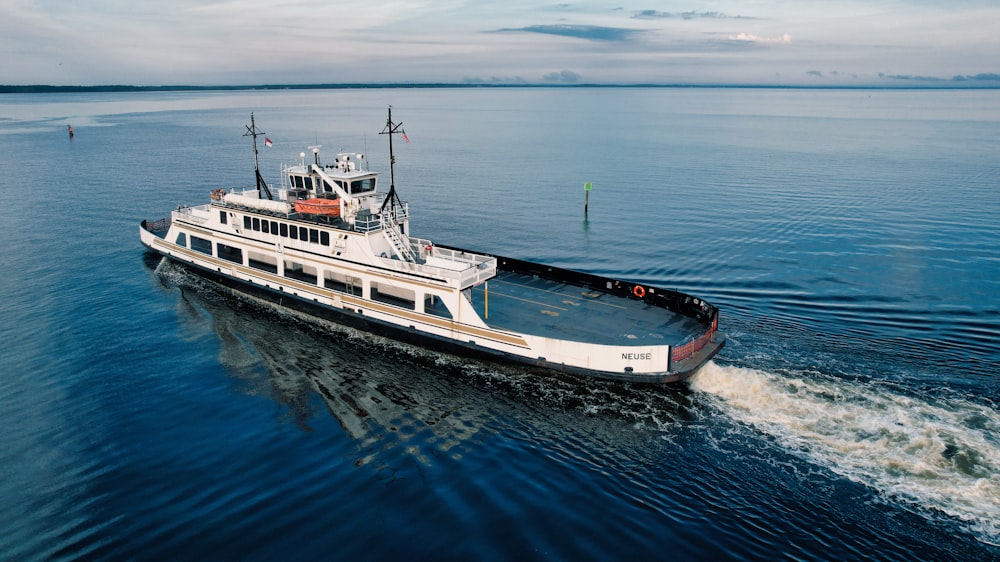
[942,455]
[175,273]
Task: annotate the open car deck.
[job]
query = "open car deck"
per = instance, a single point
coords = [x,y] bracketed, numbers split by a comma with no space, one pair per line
[534,305]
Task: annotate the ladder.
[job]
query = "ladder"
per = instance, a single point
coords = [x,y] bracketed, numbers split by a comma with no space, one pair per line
[399,244]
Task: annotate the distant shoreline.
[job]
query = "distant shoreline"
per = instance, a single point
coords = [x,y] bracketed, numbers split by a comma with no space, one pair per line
[45,89]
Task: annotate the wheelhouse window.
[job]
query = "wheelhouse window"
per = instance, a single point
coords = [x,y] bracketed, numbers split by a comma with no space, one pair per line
[222,217]
[293,232]
[256,224]
[246,222]
[363,185]
[301,182]
[324,238]
[313,235]
[284,230]
[265,227]
[181,239]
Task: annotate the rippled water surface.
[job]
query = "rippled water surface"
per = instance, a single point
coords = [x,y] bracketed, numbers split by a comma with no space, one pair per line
[849,238]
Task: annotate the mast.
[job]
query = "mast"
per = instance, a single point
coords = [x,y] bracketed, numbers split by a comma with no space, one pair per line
[392,129]
[253,131]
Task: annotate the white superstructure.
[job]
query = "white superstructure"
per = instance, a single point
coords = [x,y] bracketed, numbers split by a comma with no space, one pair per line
[351,257]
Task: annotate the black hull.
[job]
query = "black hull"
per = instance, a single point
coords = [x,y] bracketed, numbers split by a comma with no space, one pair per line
[361,322]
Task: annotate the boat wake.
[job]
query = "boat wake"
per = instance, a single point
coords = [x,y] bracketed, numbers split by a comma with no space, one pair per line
[929,454]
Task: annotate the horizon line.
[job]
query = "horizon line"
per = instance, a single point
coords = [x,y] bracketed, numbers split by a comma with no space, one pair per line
[48,88]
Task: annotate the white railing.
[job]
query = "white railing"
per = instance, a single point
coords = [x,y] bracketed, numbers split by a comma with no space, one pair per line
[200,214]
[463,268]
[367,223]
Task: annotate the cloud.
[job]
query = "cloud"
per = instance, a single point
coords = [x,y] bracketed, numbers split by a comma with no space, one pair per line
[655,14]
[494,80]
[562,76]
[228,42]
[982,77]
[985,77]
[815,73]
[592,32]
[750,38]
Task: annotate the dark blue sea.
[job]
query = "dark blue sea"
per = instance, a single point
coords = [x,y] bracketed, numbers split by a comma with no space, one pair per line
[851,239]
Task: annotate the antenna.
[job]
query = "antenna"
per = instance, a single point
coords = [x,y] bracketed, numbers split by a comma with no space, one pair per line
[253,131]
[392,129]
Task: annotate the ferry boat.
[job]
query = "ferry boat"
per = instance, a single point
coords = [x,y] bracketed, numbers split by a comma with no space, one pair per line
[330,244]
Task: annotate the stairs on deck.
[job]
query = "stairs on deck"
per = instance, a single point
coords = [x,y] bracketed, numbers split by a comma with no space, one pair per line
[400,244]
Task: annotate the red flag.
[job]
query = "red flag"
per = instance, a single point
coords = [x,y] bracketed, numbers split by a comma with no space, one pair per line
[267,142]
[406,138]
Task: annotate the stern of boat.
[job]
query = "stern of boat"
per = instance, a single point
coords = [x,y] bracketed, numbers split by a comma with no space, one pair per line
[686,359]
[148,230]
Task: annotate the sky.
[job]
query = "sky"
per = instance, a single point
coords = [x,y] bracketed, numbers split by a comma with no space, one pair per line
[246,42]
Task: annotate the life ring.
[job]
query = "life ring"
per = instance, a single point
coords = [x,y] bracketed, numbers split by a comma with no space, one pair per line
[639,291]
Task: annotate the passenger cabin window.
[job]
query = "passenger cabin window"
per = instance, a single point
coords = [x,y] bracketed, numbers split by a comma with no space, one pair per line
[222,217]
[387,293]
[246,222]
[324,238]
[230,253]
[181,239]
[300,272]
[294,232]
[201,245]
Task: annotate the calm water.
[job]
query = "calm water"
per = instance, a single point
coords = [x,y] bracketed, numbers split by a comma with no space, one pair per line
[850,238]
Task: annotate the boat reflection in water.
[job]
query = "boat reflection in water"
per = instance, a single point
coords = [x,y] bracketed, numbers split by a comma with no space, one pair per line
[370,385]
[382,391]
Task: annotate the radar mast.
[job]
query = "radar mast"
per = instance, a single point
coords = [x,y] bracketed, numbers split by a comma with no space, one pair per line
[392,199]
[253,131]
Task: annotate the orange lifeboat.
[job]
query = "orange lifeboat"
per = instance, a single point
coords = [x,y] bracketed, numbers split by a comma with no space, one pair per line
[325,207]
